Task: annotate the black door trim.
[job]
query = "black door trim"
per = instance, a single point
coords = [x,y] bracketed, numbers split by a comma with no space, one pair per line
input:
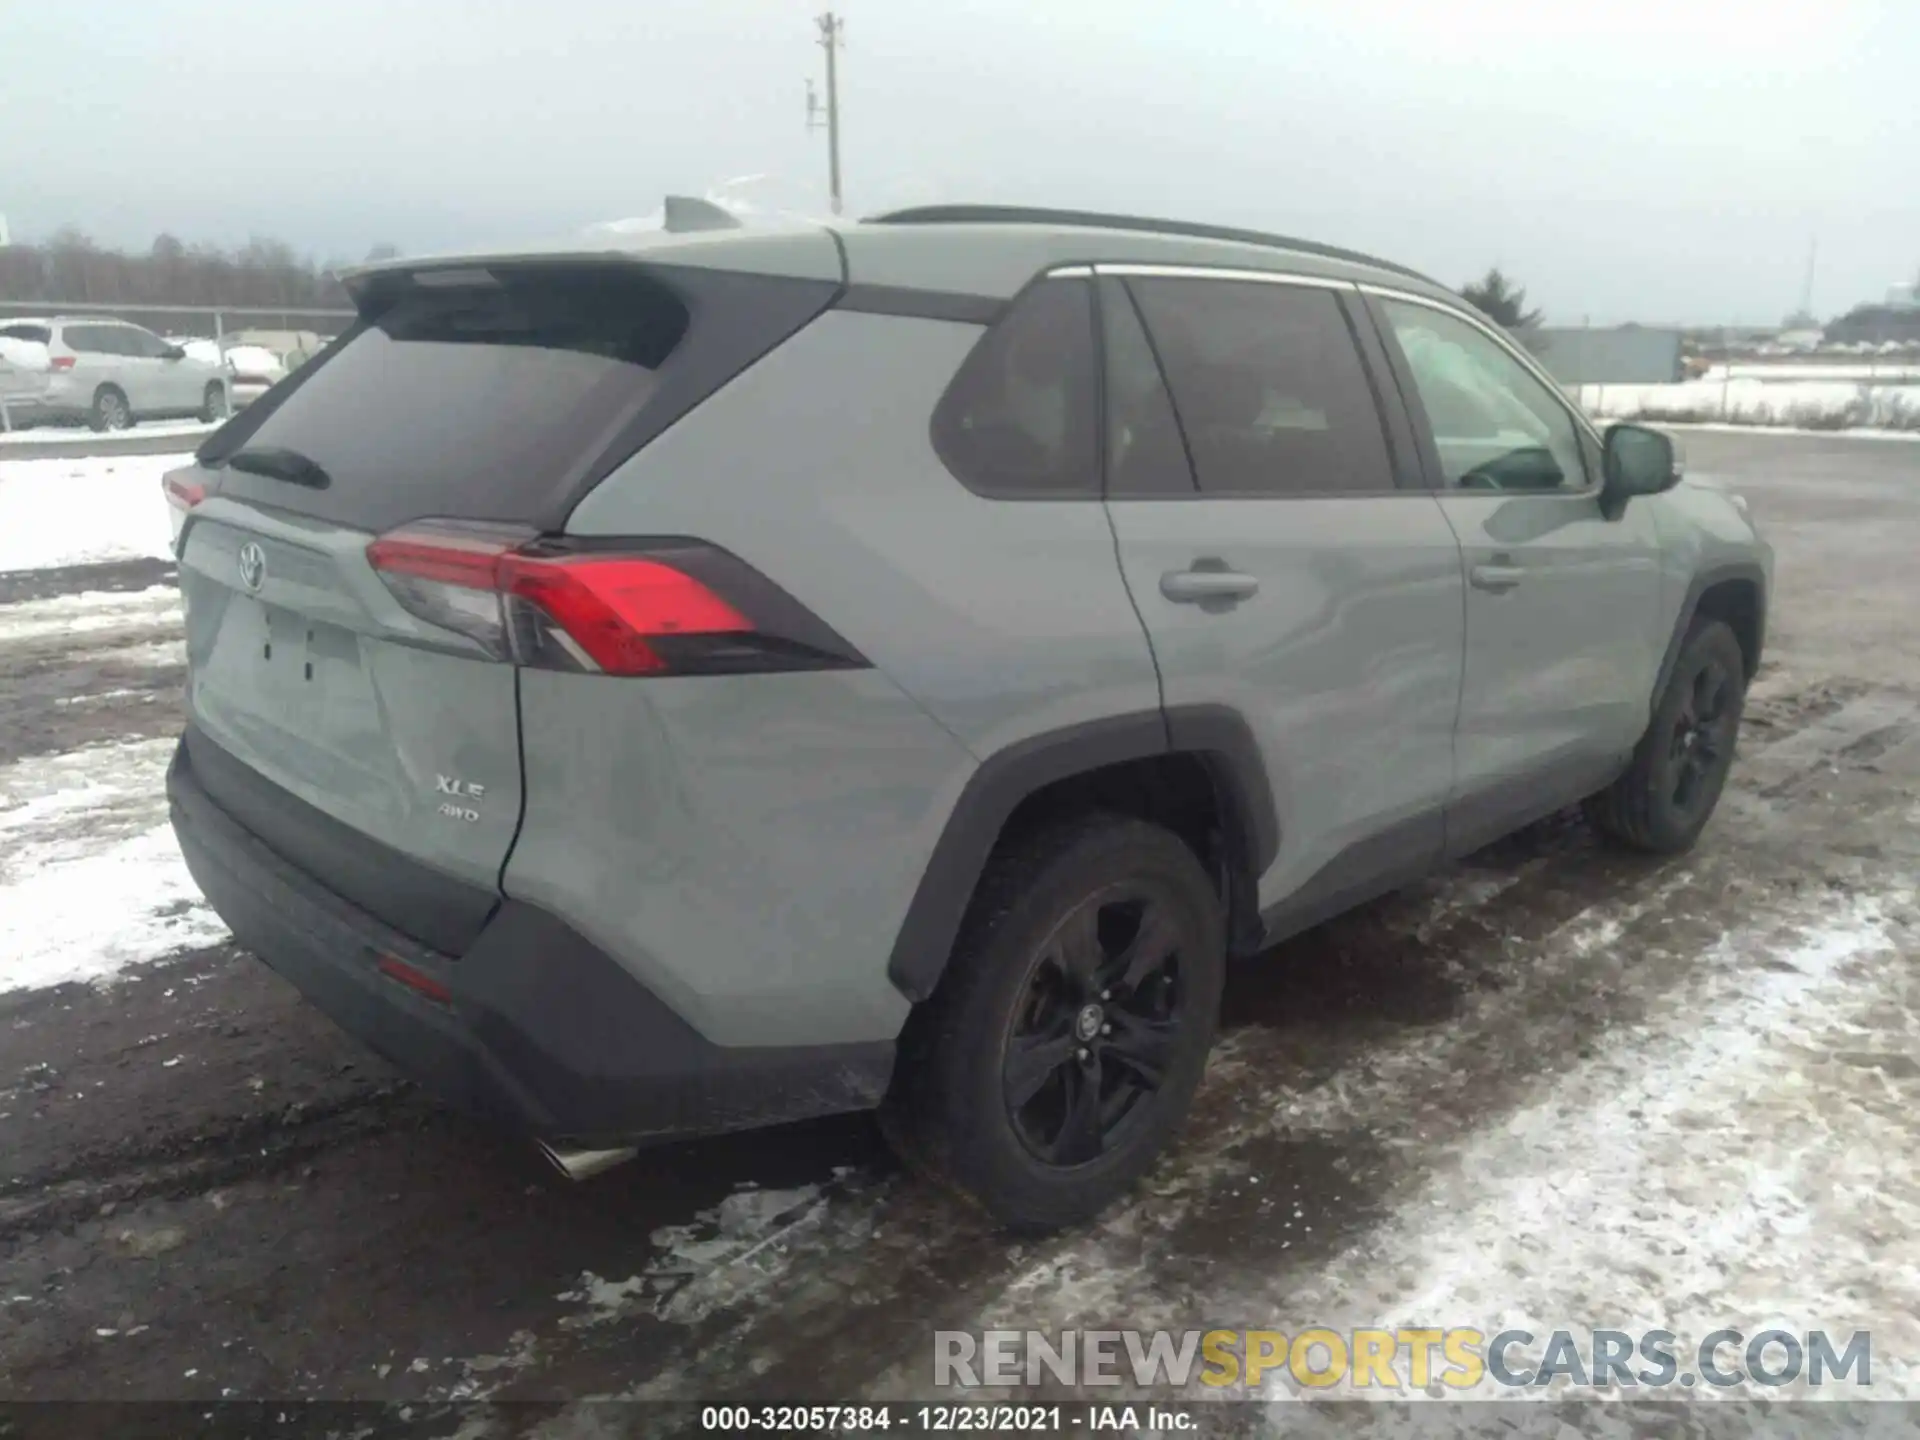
[1365,870]
[1510,802]
[1417,846]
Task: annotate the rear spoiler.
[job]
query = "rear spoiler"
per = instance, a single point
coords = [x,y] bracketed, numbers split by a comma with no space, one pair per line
[691,232]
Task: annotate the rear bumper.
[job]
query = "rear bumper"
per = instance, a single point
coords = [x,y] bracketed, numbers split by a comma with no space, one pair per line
[542,1031]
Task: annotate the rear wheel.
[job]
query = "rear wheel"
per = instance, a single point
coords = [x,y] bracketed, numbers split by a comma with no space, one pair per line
[1065,1042]
[110,409]
[1680,766]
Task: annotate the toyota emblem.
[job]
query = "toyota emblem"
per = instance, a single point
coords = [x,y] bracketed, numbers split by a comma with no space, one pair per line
[253,565]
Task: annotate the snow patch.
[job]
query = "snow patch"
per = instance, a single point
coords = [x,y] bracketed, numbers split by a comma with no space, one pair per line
[91,611]
[74,512]
[724,1253]
[187,430]
[1822,405]
[89,919]
[91,879]
[1683,1179]
[1852,432]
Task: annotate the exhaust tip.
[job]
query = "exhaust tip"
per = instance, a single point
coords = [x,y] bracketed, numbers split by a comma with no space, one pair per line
[585,1164]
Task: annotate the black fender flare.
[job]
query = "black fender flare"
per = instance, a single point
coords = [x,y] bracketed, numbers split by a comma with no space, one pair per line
[1702,582]
[1217,735]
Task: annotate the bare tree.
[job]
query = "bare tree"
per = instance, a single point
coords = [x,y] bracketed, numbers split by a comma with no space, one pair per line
[70,267]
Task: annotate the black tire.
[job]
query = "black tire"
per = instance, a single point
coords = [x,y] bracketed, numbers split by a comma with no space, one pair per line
[213,405]
[1013,977]
[1680,766]
[111,411]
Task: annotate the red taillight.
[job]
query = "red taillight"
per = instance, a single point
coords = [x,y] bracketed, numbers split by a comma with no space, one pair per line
[655,608]
[62,362]
[445,558]
[612,608]
[183,494]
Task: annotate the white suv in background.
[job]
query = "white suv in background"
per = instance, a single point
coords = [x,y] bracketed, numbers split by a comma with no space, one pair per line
[109,373]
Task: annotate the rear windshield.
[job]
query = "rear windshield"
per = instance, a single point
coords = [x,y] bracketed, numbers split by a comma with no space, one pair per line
[502,395]
[39,334]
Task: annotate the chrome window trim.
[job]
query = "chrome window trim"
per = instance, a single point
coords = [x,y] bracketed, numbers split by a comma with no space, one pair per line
[1212,272]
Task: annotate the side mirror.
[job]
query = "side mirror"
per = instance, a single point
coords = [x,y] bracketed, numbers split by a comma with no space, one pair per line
[1637,461]
[174,352]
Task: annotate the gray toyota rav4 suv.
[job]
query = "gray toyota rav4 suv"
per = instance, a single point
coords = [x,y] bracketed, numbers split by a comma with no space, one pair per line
[733,676]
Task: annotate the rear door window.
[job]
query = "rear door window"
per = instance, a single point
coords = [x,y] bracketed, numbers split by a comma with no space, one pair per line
[91,339]
[1269,386]
[499,395]
[122,340]
[39,334]
[1018,421]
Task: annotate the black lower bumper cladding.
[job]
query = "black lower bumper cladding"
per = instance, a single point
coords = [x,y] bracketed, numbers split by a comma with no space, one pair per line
[540,1030]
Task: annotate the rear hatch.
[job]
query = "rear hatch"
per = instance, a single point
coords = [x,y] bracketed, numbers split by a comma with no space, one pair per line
[344,550]
[26,363]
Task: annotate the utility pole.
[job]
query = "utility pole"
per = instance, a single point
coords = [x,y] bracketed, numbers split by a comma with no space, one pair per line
[832,31]
[1806,291]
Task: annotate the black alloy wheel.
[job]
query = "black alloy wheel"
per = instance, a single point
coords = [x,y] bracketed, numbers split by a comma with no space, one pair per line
[1092,1042]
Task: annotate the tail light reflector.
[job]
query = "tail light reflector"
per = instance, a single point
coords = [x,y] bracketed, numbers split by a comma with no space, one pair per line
[63,362]
[416,980]
[181,493]
[648,607]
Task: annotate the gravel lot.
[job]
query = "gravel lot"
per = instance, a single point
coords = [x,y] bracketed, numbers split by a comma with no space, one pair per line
[1553,1087]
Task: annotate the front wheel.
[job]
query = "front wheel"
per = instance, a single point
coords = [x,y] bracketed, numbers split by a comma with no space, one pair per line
[1680,766]
[1063,1047]
[213,405]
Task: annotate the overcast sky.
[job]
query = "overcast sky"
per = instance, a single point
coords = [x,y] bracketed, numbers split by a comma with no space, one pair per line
[1623,159]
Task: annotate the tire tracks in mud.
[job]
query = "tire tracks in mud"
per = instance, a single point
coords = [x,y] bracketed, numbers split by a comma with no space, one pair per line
[232,1074]
[250,1148]
[63,687]
[19,587]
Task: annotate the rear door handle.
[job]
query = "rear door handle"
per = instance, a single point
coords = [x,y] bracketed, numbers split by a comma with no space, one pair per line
[1496,577]
[1199,585]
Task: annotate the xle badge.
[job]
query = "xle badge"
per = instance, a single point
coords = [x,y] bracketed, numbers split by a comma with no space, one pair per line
[462,790]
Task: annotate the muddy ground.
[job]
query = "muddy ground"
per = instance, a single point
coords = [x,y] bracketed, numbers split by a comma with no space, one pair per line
[206,1191]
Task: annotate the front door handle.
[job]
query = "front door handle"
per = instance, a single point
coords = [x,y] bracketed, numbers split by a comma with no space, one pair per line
[1201,584]
[1496,577]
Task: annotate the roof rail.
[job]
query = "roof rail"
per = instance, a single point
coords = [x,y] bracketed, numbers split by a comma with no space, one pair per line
[1023,215]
